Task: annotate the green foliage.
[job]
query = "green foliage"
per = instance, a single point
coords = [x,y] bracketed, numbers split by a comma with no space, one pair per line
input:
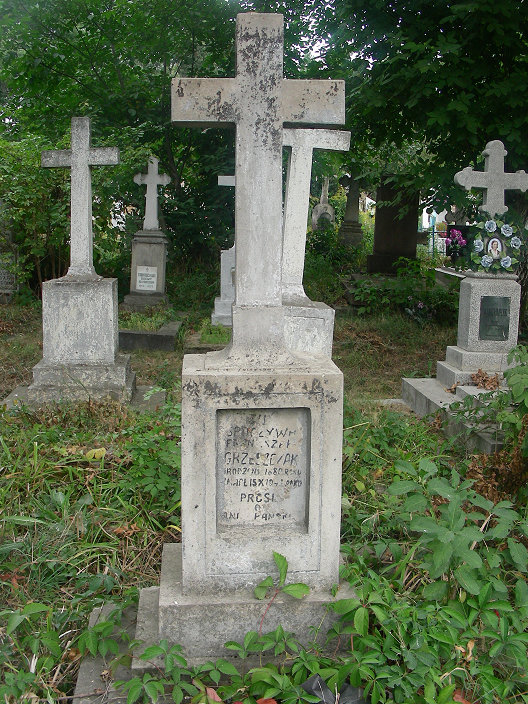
[152,319]
[216,334]
[414,291]
[504,409]
[443,75]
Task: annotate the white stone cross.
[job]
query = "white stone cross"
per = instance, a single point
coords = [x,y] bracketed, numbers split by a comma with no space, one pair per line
[80,158]
[152,180]
[297,201]
[258,101]
[493,180]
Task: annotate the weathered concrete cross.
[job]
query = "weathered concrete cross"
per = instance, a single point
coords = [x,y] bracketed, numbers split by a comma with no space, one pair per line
[493,180]
[152,179]
[258,101]
[297,201]
[80,158]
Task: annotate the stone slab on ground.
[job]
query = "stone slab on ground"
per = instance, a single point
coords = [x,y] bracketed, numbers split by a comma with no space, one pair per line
[428,396]
[143,398]
[162,339]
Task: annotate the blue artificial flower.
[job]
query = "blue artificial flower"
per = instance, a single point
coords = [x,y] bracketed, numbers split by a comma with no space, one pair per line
[515,242]
[486,261]
[490,225]
[507,230]
[505,262]
[478,246]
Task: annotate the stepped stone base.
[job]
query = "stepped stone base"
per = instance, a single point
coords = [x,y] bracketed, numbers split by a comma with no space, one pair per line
[428,396]
[74,382]
[202,624]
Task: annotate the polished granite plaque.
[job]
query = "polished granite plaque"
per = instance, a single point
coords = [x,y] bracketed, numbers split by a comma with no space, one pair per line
[494,321]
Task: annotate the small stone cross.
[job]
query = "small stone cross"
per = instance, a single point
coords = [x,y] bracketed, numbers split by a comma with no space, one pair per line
[80,158]
[258,101]
[152,180]
[493,180]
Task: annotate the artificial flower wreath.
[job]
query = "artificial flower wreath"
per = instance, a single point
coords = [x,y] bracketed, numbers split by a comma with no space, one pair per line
[491,244]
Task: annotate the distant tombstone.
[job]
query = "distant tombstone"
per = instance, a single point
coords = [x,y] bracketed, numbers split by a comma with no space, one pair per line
[395,228]
[149,247]
[350,232]
[489,303]
[79,310]
[222,314]
[323,210]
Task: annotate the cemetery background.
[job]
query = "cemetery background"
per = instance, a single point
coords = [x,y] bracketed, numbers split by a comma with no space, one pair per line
[77,527]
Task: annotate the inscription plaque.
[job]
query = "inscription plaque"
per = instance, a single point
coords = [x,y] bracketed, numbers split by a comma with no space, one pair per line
[262,467]
[7,277]
[494,323]
[147,278]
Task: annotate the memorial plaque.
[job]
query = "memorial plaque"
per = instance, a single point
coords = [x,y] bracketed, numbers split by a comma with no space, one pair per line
[147,278]
[494,323]
[262,467]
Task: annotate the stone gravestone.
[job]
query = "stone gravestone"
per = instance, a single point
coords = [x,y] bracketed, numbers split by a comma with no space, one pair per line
[395,235]
[350,232]
[261,425]
[222,306]
[323,210]
[79,310]
[309,325]
[489,304]
[149,247]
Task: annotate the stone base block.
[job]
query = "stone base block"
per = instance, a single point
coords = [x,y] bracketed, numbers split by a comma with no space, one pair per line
[309,328]
[223,313]
[350,234]
[203,624]
[137,302]
[73,382]
[261,469]
[163,339]
[384,263]
[79,321]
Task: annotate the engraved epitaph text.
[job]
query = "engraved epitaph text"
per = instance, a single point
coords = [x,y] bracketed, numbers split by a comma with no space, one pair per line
[494,321]
[262,467]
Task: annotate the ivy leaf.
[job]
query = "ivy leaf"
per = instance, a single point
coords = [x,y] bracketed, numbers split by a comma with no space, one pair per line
[402,487]
[465,576]
[261,590]
[435,591]
[297,590]
[282,566]
[361,621]
[519,554]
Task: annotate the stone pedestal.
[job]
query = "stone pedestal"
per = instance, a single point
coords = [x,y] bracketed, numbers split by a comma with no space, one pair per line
[80,343]
[488,325]
[222,314]
[488,322]
[350,234]
[147,277]
[261,472]
[394,236]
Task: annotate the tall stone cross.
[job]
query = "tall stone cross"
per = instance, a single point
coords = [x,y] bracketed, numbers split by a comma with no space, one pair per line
[80,158]
[493,180]
[297,200]
[152,179]
[259,101]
